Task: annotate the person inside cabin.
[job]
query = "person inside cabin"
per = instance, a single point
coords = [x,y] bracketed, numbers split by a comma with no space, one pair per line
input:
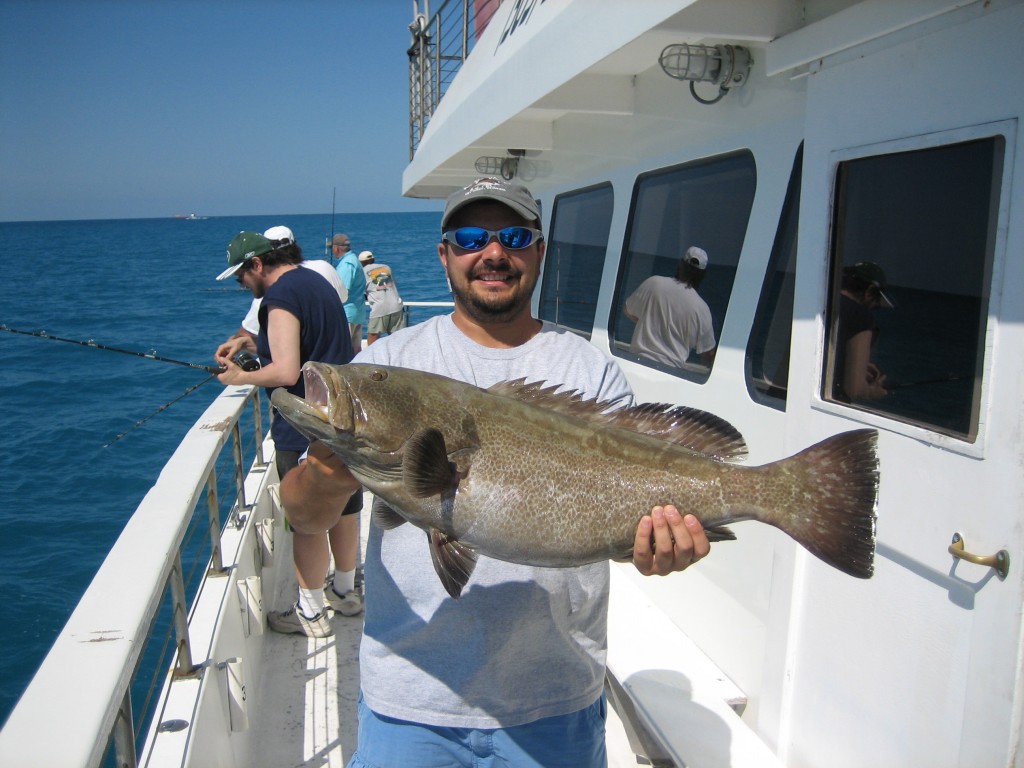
[354,278]
[672,321]
[512,673]
[862,291]
[300,318]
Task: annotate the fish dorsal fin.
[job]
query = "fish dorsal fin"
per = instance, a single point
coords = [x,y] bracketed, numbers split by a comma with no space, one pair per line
[540,393]
[690,428]
[453,561]
[426,470]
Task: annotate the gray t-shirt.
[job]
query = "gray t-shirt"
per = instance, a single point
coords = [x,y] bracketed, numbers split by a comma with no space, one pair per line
[521,643]
[381,290]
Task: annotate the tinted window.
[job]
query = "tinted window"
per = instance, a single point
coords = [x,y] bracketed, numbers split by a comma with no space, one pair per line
[574,261]
[705,204]
[927,219]
[767,361]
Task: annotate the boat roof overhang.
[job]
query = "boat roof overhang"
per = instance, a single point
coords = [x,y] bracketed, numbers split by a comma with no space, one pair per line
[563,88]
[576,88]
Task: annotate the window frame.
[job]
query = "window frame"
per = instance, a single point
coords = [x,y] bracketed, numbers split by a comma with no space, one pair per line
[603,186]
[1005,129]
[763,310]
[696,373]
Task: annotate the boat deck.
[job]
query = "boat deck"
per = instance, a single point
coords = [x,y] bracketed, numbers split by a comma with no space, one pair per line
[314,684]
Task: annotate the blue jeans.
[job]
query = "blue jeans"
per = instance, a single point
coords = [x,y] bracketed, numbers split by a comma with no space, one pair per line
[575,740]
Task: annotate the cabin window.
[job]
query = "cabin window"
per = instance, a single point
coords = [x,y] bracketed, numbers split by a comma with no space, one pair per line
[705,204]
[916,229]
[575,256]
[767,360]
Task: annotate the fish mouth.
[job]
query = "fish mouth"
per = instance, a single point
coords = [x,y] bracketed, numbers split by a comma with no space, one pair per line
[322,405]
[286,401]
[318,396]
[328,392]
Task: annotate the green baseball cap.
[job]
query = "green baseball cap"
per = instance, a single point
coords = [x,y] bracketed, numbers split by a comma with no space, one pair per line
[244,246]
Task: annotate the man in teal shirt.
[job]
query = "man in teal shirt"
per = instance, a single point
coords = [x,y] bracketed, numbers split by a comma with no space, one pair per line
[352,275]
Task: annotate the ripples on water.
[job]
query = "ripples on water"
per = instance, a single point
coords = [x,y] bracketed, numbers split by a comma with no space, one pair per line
[142,285]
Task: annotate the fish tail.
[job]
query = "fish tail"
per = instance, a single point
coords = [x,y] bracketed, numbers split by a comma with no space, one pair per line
[834,514]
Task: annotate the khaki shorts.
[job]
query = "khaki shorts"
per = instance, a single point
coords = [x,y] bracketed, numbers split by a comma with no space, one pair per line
[387,323]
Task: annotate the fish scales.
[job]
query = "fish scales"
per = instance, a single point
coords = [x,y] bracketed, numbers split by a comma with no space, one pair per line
[524,474]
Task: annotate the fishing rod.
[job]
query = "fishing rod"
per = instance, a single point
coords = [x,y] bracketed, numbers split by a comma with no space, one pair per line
[163,407]
[90,343]
[936,380]
[327,240]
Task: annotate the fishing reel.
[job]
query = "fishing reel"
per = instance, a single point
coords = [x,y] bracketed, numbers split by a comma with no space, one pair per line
[247,361]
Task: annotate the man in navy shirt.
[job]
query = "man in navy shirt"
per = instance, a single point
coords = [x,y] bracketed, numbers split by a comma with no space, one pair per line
[301,318]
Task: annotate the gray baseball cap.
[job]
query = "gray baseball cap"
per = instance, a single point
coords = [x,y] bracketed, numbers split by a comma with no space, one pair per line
[511,193]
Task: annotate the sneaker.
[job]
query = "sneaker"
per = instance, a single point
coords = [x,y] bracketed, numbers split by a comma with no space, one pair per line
[349,604]
[292,622]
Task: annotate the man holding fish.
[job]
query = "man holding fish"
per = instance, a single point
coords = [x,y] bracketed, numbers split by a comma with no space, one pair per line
[512,671]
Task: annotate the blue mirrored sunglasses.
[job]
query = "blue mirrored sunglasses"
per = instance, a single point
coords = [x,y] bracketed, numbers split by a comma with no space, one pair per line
[477,238]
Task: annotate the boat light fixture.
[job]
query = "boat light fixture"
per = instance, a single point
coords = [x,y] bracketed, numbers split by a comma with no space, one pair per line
[726,66]
[506,167]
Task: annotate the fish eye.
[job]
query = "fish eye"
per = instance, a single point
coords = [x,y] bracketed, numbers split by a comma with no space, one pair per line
[378,375]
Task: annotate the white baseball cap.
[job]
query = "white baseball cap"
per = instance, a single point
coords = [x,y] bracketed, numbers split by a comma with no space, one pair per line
[696,257]
[279,233]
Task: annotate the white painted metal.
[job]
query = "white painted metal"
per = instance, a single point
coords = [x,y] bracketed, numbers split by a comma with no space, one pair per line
[948,637]
[921,666]
[81,682]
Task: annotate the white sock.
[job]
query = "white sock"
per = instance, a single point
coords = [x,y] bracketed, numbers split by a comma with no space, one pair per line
[311,602]
[344,581]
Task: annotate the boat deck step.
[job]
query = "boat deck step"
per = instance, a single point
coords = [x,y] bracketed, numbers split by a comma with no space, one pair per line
[678,706]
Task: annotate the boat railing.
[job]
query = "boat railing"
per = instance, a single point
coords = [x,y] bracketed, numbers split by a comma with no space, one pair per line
[89,683]
[430,308]
[440,44]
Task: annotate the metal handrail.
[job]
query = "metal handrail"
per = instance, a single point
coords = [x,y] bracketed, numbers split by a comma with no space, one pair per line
[440,45]
[85,682]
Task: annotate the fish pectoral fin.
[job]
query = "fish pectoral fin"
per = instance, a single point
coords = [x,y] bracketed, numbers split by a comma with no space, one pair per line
[426,470]
[453,561]
[385,517]
[720,533]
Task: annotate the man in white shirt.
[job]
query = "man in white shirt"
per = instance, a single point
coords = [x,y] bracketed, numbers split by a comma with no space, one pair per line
[672,320]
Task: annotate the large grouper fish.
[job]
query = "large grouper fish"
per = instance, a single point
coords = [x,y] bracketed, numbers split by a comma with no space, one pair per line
[522,473]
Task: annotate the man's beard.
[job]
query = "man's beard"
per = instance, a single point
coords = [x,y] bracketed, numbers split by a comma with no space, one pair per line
[258,287]
[484,307]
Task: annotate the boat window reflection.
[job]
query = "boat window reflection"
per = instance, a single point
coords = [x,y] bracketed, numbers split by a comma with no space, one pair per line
[921,227]
[575,256]
[705,204]
[767,359]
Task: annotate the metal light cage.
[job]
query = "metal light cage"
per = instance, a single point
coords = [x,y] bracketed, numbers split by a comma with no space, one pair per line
[726,66]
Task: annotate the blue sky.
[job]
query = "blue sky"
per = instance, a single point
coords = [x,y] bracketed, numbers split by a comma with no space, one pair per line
[149,108]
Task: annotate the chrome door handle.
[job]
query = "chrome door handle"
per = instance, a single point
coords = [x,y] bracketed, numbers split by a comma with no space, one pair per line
[1000,560]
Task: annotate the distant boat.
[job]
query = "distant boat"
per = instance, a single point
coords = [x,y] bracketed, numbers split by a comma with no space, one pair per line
[191,217]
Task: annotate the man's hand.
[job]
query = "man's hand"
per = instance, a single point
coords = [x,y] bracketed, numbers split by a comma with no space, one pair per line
[667,542]
[229,348]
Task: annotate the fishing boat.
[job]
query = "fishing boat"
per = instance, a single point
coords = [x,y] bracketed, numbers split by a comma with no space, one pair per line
[791,141]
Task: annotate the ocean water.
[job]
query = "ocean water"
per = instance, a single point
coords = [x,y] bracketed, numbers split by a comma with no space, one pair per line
[147,285]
